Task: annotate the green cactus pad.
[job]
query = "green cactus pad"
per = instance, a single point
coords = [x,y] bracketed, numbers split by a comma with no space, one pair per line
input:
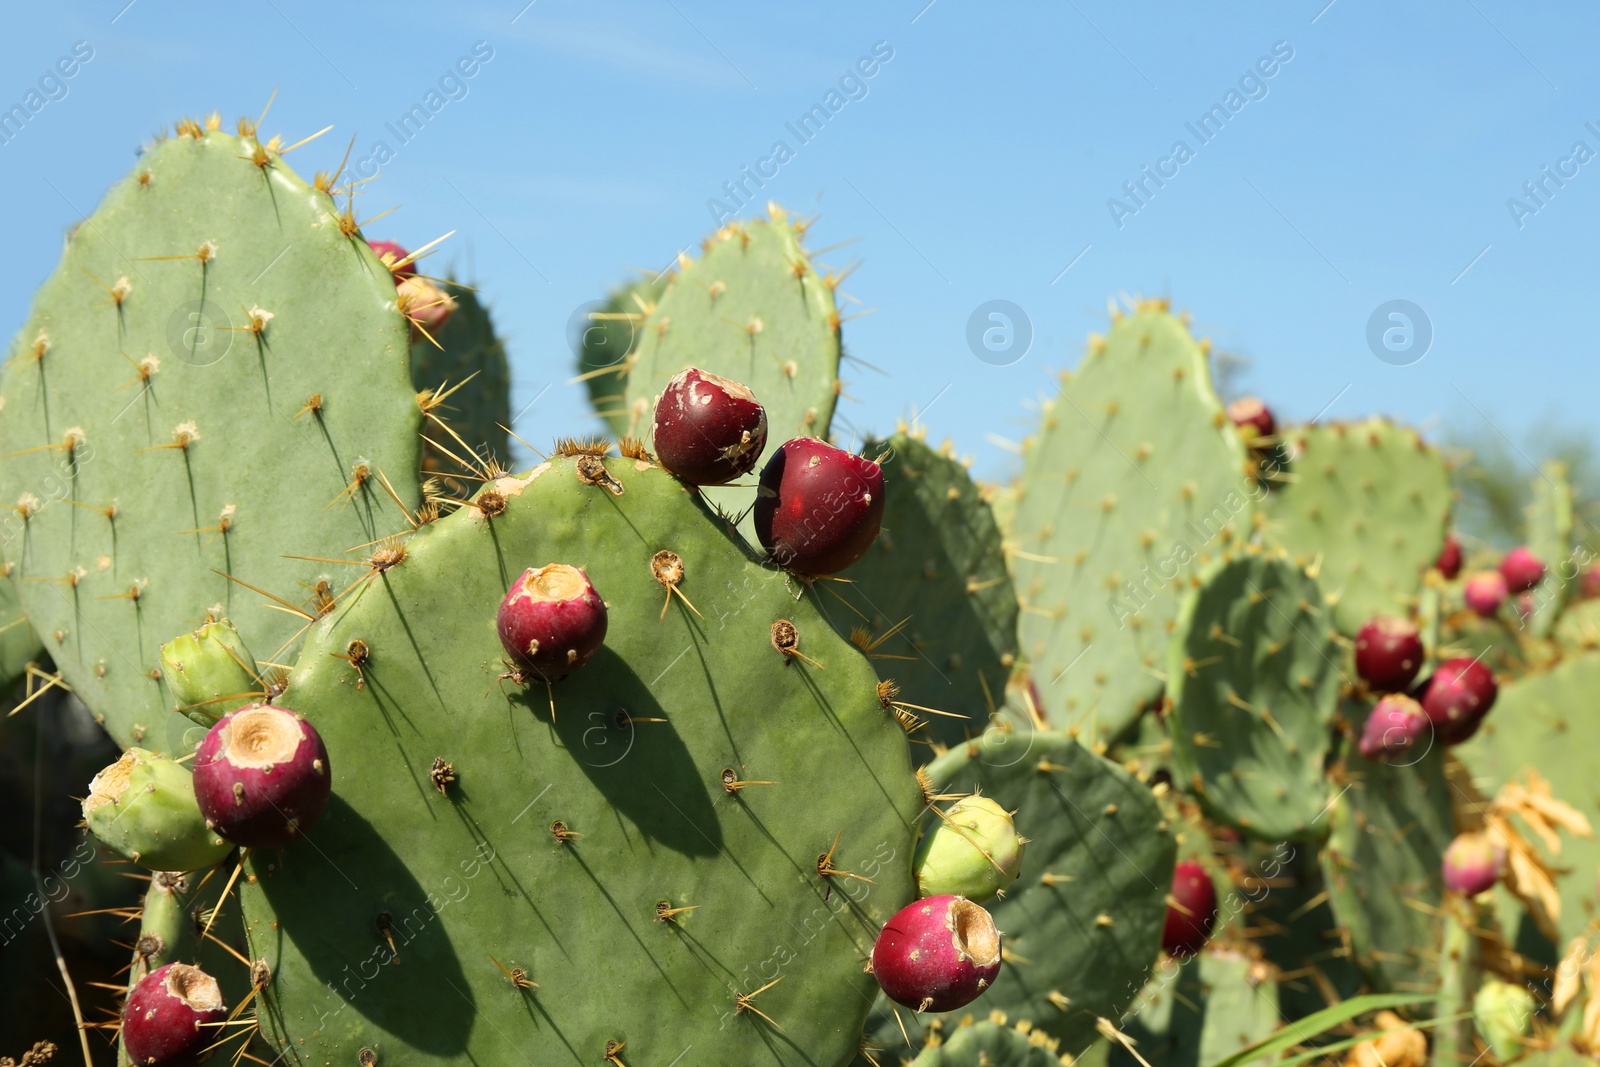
[1391,825]
[605,336]
[469,363]
[210,672]
[143,807]
[994,1044]
[1134,479]
[104,587]
[1253,678]
[459,871]
[19,644]
[1198,1012]
[1549,530]
[752,308]
[1366,509]
[1291,920]
[1543,722]
[937,568]
[1083,924]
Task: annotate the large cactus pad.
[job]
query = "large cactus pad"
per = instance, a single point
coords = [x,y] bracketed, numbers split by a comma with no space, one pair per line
[1134,479]
[1366,508]
[1544,722]
[209,381]
[1391,824]
[933,597]
[566,849]
[752,308]
[1254,681]
[1083,923]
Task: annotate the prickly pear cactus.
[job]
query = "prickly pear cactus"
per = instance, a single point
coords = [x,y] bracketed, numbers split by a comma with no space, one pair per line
[994,1043]
[1366,509]
[932,600]
[604,335]
[1541,721]
[179,923]
[651,859]
[1290,919]
[753,308]
[467,373]
[19,644]
[1134,479]
[1391,823]
[1083,923]
[1253,678]
[1549,527]
[1198,1011]
[208,383]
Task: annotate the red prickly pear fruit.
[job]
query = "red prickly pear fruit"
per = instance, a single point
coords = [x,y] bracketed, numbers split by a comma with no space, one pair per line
[1589,582]
[391,254]
[164,1022]
[1252,418]
[1449,561]
[262,776]
[1471,864]
[1388,653]
[1393,727]
[425,304]
[818,508]
[1191,910]
[1522,569]
[1457,697]
[709,430]
[1484,592]
[937,954]
[552,621]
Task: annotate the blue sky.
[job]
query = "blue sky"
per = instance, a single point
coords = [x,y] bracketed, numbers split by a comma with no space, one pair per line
[978,163]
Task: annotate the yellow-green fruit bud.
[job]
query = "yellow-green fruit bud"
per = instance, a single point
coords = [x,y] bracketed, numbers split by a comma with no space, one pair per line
[209,672]
[143,807]
[973,852]
[1504,1015]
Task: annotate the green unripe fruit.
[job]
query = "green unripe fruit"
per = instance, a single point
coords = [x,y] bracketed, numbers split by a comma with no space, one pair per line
[143,807]
[973,852]
[209,672]
[1504,1014]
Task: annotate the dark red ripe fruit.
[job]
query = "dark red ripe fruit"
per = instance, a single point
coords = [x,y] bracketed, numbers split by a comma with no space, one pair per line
[709,430]
[1191,910]
[1589,582]
[391,254]
[164,1021]
[552,621]
[1457,697]
[818,508]
[1449,561]
[1252,417]
[1388,653]
[1471,864]
[262,776]
[1396,724]
[937,954]
[1521,569]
